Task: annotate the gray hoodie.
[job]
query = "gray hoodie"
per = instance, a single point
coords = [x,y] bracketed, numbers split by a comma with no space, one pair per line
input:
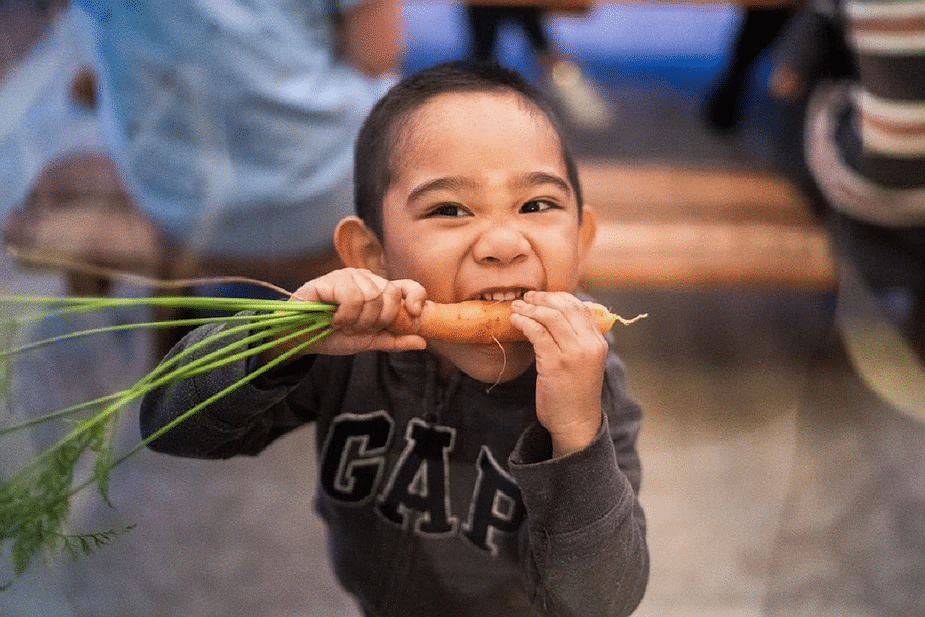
[441,498]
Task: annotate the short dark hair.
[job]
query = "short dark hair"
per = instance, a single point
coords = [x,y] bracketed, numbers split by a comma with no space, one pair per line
[378,138]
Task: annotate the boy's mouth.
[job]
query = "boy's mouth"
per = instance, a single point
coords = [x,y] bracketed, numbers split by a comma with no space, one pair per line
[501,295]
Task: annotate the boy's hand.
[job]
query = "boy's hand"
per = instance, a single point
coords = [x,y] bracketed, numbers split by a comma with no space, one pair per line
[570,357]
[366,305]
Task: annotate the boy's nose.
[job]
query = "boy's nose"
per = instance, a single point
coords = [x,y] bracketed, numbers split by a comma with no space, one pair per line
[501,245]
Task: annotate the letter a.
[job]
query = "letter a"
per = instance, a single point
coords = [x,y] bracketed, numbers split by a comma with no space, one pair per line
[420,481]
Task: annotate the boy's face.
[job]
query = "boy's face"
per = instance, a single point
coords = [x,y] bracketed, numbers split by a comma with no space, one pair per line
[480,207]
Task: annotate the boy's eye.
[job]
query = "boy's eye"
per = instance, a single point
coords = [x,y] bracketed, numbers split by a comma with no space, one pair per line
[448,210]
[537,205]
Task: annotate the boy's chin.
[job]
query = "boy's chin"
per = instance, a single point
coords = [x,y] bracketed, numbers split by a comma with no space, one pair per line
[495,363]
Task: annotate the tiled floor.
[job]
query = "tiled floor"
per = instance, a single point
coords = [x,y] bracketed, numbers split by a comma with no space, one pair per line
[776,483]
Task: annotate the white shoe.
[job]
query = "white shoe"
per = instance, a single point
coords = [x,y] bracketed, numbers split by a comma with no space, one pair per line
[583,105]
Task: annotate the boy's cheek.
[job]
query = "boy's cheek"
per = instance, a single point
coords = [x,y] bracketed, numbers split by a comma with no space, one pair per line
[422,260]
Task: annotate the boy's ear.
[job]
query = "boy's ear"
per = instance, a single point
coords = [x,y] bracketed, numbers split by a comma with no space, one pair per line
[358,246]
[587,231]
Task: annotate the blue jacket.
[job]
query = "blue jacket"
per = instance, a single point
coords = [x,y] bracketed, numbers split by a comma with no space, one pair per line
[232,121]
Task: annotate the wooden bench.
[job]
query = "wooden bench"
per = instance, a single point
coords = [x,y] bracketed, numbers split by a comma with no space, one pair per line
[78,213]
[79,220]
[659,225]
[672,226]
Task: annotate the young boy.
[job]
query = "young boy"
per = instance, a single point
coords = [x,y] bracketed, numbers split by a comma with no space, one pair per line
[455,479]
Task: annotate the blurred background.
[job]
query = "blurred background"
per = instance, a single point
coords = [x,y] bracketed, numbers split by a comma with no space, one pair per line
[782,437]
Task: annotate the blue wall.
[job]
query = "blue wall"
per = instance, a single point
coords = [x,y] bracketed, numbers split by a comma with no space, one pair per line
[680,45]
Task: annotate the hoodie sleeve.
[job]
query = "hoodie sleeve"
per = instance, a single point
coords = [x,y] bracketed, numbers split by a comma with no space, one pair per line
[588,552]
[243,421]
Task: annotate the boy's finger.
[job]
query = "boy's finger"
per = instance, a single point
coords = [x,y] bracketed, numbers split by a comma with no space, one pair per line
[350,290]
[345,344]
[535,331]
[551,309]
[365,314]
[565,317]
[383,312]
[404,342]
[414,295]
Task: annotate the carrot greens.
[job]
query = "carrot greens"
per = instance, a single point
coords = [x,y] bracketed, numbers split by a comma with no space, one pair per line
[35,498]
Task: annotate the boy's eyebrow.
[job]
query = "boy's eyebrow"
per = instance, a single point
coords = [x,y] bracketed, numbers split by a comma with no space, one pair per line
[451,183]
[448,183]
[538,177]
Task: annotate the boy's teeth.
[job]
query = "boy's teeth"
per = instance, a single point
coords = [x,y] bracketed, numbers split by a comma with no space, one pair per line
[502,296]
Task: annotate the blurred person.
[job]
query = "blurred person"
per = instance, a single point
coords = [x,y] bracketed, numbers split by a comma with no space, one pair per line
[861,66]
[860,69]
[580,100]
[41,120]
[812,48]
[759,29]
[233,123]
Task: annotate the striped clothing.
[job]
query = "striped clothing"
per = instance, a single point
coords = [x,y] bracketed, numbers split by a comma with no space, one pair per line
[866,135]
[889,38]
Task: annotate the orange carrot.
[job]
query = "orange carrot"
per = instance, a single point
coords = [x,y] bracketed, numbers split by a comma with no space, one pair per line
[480,321]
